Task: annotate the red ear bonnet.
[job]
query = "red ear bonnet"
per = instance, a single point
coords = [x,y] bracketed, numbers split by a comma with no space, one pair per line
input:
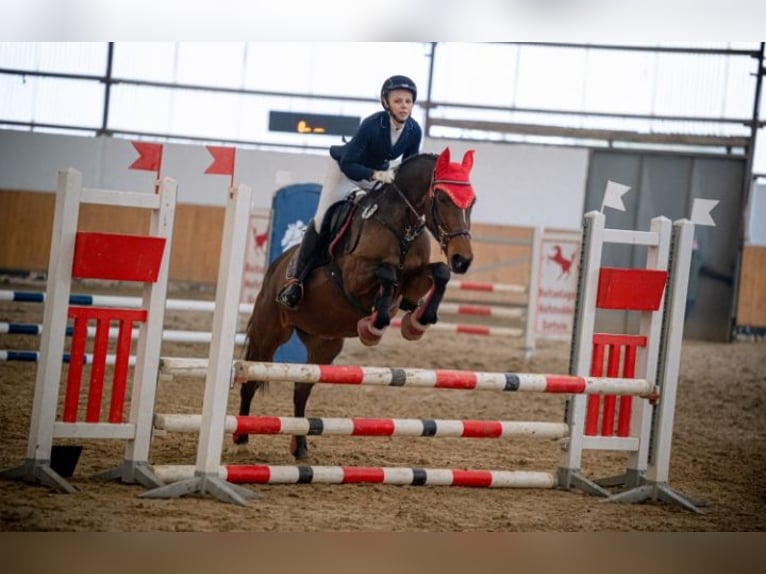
[453,178]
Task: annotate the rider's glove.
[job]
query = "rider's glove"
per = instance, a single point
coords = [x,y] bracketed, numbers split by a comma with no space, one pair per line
[386,176]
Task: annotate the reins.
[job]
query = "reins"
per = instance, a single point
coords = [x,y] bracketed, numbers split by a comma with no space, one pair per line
[411,232]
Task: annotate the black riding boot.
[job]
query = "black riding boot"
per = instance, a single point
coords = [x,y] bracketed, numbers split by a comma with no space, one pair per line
[292,292]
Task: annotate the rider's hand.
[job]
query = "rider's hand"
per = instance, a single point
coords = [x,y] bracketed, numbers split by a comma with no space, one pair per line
[386,176]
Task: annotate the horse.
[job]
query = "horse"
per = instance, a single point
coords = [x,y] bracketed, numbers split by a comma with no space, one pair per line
[378,264]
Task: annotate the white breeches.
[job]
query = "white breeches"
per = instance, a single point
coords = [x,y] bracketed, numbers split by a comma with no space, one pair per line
[335,188]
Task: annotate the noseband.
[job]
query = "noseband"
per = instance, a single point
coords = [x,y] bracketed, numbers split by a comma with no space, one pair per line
[443,235]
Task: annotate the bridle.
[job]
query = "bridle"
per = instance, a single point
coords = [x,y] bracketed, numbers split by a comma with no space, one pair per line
[434,223]
[443,235]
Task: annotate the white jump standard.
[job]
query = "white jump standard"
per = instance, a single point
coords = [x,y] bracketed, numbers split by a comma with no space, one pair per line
[142,259]
[207,479]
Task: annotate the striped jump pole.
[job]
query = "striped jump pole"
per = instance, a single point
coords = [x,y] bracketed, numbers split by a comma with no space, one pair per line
[194,367]
[482,310]
[178,336]
[34,357]
[263,474]
[526,314]
[442,379]
[182,336]
[368,427]
[169,335]
[486,287]
[465,329]
[85,300]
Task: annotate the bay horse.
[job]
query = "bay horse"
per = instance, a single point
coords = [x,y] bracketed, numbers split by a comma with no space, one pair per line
[378,264]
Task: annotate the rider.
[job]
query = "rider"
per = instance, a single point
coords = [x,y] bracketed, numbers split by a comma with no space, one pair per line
[360,163]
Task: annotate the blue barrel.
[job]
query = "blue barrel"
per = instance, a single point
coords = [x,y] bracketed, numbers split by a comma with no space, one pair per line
[292,208]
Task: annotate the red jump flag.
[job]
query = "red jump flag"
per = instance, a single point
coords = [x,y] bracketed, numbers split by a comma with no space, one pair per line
[149,157]
[223,160]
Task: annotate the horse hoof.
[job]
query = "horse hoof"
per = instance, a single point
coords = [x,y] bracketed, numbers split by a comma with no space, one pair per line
[411,329]
[239,450]
[300,453]
[240,439]
[369,335]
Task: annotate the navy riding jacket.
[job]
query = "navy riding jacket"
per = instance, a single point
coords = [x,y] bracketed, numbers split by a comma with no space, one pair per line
[370,149]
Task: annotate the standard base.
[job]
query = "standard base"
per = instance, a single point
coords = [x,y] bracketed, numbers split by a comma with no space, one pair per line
[131,472]
[638,489]
[657,491]
[39,472]
[204,484]
[573,480]
[630,479]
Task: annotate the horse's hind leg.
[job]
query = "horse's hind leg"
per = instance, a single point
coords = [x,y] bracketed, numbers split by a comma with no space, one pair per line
[246,394]
[416,322]
[263,342]
[319,352]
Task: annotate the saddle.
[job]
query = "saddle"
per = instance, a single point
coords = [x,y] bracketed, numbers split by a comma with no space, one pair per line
[335,230]
[338,221]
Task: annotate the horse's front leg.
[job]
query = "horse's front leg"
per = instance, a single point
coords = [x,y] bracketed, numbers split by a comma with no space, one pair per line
[414,323]
[372,327]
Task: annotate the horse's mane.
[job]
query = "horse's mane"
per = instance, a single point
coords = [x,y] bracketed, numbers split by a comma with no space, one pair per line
[413,158]
[412,170]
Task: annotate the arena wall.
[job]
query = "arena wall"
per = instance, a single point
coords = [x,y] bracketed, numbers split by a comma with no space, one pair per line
[519,185]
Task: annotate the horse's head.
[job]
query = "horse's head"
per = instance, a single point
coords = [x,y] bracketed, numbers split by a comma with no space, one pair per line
[449,218]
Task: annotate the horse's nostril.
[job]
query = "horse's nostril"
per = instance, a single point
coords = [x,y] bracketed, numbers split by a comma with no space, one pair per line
[460,264]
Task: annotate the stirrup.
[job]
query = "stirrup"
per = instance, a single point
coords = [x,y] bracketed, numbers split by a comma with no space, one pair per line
[291,294]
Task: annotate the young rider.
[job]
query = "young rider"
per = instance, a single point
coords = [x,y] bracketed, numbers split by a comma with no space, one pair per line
[360,163]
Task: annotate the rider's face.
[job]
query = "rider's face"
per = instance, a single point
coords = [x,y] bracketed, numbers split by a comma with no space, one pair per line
[400,104]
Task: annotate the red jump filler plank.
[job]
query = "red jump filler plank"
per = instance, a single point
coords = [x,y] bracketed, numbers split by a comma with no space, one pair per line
[117,256]
[630,289]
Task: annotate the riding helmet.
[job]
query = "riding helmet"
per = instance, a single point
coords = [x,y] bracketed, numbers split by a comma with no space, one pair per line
[398,83]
